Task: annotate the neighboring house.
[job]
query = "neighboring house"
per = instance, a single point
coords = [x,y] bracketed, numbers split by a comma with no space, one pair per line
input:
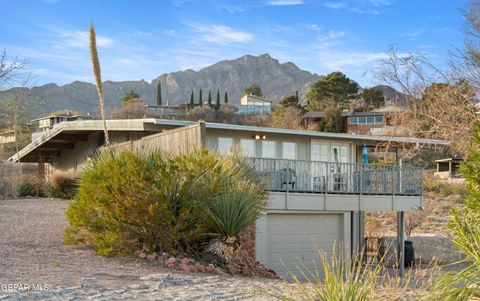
[45,124]
[448,168]
[255,105]
[377,122]
[11,139]
[167,112]
[319,189]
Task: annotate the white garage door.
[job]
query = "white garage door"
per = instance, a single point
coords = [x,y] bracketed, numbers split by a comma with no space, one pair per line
[293,240]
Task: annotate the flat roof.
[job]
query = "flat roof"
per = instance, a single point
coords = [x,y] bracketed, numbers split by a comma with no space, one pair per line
[66,133]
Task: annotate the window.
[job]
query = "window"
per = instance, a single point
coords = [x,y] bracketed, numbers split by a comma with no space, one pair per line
[289,150]
[378,119]
[353,120]
[248,147]
[362,120]
[269,149]
[370,120]
[224,145]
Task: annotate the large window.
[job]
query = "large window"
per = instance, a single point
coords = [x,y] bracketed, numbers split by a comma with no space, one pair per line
[269,149]
[365,120]
[224,145]
[248,147]
[289,150]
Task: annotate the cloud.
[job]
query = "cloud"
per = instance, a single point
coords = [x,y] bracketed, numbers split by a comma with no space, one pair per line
[222,34]
[335,5]
[414,33]
[313,27]
[284,2]
[80,38]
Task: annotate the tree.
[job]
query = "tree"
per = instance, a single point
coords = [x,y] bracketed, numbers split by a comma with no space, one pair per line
[332,120]
[438,106]
[373,98]
[209,98]
[287,118]
[204,113]
[225,98]
[200,100]
[192,100]
[98,80]
[11,69]
[130,95]
[217,103]
[290,101]
[134,109]
[334,89]
[253,89]
[159,94]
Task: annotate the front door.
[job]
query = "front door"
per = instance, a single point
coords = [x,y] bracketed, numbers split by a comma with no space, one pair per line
[331,172]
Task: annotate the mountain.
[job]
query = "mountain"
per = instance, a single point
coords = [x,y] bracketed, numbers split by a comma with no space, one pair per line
[275,79]
[391,94]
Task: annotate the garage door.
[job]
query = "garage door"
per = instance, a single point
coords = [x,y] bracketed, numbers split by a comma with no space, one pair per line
[293,240]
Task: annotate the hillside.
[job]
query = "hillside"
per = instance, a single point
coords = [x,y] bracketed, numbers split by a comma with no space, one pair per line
[233,76]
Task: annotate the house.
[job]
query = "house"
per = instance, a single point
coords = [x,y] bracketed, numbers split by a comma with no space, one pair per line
[45,124]
[11,139]
[448,168]
[254,105]
[166,112]
[377,122]
[319,187]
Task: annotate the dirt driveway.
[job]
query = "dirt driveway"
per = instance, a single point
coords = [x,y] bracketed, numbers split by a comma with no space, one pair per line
[33,258]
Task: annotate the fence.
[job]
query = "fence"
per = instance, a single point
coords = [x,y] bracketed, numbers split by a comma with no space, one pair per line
[178,141]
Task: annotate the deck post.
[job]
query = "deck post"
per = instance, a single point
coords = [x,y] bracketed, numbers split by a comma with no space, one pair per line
[401,243]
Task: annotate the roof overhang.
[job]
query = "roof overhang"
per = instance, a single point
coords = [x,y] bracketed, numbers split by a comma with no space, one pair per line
[64,136]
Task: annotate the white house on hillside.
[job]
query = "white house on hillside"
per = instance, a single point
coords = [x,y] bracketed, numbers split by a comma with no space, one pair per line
[255,105]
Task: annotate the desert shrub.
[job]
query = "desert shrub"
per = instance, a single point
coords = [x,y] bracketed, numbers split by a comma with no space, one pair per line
[27,189]
[127,201]
[62,185]
[442,187]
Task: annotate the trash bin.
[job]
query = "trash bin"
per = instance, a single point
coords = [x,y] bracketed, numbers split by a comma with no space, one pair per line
[409,253]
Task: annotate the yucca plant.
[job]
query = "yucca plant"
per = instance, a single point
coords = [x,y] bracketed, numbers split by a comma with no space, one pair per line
[339,279]
[98,80]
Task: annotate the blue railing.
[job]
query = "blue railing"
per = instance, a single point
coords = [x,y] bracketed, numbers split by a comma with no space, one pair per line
[330,177]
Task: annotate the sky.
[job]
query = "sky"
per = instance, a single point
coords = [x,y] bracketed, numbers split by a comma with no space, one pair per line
[142,39]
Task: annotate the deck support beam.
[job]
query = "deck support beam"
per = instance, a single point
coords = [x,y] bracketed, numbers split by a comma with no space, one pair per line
[401,243]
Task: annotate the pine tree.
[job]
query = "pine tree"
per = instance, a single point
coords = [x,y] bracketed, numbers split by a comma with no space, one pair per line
[217,103]
[200,100]
[159,94]
[225,98]
[209,98]
[296,94]
[192,101]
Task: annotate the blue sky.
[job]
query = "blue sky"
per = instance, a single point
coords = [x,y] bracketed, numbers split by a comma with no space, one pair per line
[143,39]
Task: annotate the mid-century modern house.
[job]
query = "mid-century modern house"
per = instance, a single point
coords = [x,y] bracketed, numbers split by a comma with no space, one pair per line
[319,186]
[254,105]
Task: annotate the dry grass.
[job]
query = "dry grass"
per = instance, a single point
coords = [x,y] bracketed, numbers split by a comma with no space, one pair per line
[13,175]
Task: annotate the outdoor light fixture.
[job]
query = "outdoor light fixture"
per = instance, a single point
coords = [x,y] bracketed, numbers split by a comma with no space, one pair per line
[260,137]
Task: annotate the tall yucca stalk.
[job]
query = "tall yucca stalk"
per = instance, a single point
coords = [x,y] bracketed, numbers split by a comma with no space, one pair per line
[98,80]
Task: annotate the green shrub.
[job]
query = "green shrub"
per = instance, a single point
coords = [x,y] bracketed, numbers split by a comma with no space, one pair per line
[127,201]
[27,189]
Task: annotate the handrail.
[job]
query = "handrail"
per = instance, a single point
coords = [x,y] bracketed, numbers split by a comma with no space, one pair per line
[331,177]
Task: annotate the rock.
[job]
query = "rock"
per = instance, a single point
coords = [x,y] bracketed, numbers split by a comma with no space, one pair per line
[152,257]
[165,255]
[171,260]
[142,255]
[248,245]
[211,269]
[199,267]
[173,266]
[186,261]
[187,268]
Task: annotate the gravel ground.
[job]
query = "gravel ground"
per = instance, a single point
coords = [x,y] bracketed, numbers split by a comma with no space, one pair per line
[36,265]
